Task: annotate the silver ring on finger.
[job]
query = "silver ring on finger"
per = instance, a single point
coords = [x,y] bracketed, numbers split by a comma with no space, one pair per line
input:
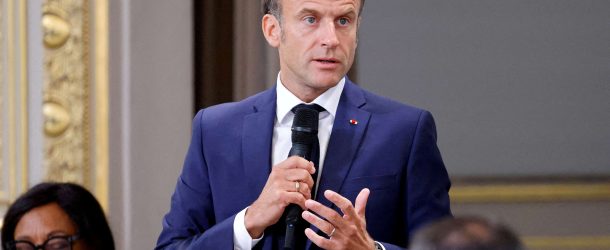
[297,186]
[330,235]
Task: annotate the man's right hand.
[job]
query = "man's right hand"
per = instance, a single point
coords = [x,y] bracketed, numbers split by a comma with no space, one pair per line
[279,192]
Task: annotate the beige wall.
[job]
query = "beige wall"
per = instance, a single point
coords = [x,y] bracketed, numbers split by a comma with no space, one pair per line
[150,113]
[519,91]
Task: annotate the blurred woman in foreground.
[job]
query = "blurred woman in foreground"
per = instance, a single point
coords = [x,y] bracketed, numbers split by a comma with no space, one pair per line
[56,216]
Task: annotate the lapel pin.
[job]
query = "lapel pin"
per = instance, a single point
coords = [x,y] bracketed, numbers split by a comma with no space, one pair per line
[353,122]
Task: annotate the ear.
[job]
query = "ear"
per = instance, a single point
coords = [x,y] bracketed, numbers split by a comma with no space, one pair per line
[272,30]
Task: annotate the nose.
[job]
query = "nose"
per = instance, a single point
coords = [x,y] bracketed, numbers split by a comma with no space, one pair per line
[329,35]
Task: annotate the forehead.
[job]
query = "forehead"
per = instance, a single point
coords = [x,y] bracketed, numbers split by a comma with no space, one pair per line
[334,5]
[44,220]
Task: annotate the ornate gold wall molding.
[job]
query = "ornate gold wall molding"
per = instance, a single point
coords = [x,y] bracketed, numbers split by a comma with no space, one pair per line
[72,103]
[23,95]
[102,95]
[568,242]
[551,189]
[2,111]
[13,100]
[66,91]
[67,96]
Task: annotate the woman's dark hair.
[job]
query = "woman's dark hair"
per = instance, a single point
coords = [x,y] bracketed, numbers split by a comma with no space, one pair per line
[466,233]
[78,203]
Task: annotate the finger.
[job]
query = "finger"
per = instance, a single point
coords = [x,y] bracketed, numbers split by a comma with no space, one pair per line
[341,202]
[299,175]
[361,201]
[318,222]
[298,162]
[331,215]
[303,188]
[320,241]
[287,198]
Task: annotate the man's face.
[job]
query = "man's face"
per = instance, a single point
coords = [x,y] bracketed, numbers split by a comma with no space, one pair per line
[318,43]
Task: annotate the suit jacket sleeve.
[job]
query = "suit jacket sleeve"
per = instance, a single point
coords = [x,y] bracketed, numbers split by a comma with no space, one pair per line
[427,180]
[190,223]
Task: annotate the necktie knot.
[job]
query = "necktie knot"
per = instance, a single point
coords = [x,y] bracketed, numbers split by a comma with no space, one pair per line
[312,106]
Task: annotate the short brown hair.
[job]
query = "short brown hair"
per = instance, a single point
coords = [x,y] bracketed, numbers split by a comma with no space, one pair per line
[273,7]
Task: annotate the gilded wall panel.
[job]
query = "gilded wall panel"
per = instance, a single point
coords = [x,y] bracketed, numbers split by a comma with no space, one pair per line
[13,101]
[2,91]
[2,112]
[66,91]
[68,94]
[66,97]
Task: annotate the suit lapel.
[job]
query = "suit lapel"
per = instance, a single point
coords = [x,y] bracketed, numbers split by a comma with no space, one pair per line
[344,141]
[256,142]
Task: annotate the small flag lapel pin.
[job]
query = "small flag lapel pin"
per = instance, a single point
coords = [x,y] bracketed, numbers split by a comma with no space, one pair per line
[353,122]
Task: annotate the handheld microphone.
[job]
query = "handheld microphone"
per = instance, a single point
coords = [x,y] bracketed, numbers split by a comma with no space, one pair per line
[304,134]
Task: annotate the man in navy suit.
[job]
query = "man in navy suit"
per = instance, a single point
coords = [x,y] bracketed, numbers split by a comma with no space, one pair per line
[380,175]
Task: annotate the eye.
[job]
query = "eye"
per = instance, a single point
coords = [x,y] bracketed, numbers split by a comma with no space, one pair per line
[310,20]
[343,21]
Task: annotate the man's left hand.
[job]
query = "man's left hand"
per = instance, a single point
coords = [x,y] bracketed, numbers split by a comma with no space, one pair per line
[347,231]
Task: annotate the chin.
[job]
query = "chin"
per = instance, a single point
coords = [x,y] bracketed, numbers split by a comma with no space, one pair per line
[324,85]
[327,81]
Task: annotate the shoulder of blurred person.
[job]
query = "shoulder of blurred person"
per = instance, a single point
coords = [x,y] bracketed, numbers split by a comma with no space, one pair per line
[466,233]
[62,201]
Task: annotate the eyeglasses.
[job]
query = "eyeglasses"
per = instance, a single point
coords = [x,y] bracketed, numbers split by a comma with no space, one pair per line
[53,243]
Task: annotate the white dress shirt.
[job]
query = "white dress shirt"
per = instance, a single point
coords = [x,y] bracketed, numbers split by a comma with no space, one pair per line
[282,143]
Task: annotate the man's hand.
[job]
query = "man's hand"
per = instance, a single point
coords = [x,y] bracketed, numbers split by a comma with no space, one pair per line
[347,231]
[279,192]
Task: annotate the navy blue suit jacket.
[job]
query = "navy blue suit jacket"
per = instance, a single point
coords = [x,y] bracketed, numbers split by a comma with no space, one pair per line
[392,151]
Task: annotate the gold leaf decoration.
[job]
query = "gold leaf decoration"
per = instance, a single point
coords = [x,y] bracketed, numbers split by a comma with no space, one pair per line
[56,30]
[66,91]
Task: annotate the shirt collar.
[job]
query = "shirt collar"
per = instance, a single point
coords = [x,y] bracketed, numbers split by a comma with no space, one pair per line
[329,100]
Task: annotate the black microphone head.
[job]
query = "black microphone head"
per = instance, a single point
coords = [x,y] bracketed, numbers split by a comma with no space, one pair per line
[305,126]
[306,118]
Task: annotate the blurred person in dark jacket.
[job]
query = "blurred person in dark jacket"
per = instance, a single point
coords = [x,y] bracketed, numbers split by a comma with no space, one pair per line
[466,233]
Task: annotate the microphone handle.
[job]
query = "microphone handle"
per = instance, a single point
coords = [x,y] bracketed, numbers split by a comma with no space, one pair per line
[293,211]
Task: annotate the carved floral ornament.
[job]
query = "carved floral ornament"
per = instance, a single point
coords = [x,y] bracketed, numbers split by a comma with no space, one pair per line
[56,32]
[56,118]
[56,29]
[66,90]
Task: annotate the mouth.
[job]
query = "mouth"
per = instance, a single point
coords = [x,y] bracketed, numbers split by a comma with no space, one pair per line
[327,60]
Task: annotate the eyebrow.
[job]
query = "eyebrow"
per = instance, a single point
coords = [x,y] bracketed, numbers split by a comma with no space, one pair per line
[58,233]
[347,12]
[24,238]
[49,235]
[304,11]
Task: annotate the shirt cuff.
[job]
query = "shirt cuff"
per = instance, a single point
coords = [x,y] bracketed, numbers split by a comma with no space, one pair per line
[241,237]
